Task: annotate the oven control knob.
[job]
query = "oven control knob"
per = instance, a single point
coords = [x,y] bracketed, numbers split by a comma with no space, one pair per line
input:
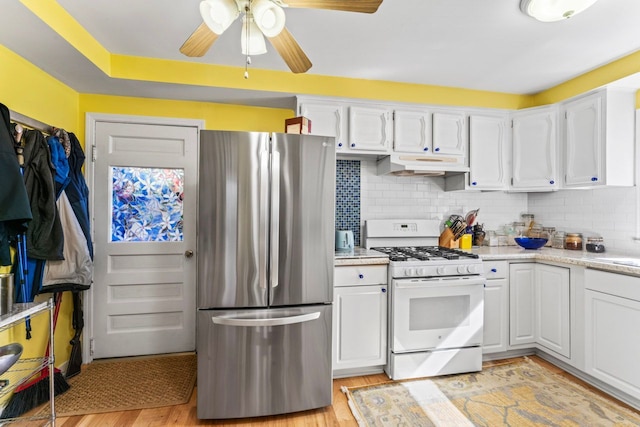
[441,270]
[471,269]
[421,271]
[409,272]
[462,269]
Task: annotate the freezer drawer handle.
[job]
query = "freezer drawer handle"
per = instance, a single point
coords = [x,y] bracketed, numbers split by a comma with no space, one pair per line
[277,321]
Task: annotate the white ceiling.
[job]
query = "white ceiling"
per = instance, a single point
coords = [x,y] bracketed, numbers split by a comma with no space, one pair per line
[473,44]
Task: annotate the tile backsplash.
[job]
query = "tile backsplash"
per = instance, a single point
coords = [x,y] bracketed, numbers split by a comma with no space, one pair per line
[348,197]
[361,194]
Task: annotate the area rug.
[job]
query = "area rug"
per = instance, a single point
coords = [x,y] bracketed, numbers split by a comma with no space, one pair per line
[129,383]
[517,394]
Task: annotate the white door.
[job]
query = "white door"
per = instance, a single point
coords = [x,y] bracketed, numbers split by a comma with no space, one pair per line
[144,213]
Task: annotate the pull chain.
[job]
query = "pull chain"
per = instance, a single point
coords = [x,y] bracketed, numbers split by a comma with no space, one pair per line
[247,16]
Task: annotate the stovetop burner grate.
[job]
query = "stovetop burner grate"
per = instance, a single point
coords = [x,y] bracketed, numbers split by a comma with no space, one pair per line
[424,253]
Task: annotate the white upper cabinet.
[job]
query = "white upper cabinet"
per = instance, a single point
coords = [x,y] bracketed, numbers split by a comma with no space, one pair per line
[599,139]
[535,149]
[449,133]
[370,128]
[489,152]
[412,131]
[327,119]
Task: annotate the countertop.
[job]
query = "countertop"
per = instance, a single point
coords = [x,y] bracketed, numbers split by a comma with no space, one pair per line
[610,261]
[361,256]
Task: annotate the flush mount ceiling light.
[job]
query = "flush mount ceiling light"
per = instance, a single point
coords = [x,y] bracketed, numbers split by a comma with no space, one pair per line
[554,10]
[262,18]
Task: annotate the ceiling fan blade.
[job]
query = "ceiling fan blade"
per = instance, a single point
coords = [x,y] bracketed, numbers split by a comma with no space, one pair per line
[199,41]
[362,6]
[290,51]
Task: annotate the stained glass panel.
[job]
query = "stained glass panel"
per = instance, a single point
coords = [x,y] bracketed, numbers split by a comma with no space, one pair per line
[147,204]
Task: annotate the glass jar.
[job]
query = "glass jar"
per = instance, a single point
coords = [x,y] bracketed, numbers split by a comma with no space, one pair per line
[595,244]
[550,233]
[517,229]
[558,240]
[527,219]
[573,241]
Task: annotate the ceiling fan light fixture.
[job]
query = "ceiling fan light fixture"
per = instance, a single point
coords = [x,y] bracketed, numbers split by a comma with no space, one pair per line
[251,38]
[268,16]
[554,10]
[219,14]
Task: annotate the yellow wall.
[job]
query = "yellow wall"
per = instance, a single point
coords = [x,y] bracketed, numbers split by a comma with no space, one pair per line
[28,90]
[216,116]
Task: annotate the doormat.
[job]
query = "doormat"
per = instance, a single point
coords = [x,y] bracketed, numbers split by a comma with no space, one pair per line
[516,394]
[125,384]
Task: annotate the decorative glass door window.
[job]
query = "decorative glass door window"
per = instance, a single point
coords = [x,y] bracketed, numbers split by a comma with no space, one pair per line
[146,204]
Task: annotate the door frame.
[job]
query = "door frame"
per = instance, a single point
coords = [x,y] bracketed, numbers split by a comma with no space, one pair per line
[90,145]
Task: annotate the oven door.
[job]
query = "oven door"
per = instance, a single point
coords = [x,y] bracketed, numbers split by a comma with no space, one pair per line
[436,313]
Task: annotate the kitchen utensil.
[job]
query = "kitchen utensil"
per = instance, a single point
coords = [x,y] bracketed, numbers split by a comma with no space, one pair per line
[471,217]
[458,228]
[9,354]
[344,240]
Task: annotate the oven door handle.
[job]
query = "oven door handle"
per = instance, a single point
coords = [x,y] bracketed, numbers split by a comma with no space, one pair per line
[406,284]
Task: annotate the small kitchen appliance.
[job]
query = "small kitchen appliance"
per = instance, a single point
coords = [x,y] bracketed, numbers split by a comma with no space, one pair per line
[265,273]
[344,240]
[436,307]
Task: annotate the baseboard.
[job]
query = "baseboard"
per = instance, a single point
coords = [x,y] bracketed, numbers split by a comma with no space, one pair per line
[356,372]
[612,391]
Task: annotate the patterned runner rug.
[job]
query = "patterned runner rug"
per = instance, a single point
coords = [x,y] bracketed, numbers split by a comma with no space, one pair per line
[128,383]
[516,394]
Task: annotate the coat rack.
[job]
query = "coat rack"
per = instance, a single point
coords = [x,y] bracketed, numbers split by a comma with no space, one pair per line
[30,123]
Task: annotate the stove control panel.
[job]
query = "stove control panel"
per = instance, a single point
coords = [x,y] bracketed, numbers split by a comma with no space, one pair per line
[452,269]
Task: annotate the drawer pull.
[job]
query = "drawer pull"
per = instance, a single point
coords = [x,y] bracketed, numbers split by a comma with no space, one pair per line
[361,276]
[494,270]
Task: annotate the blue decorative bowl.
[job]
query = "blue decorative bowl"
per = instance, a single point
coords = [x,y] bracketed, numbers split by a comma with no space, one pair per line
[531,242]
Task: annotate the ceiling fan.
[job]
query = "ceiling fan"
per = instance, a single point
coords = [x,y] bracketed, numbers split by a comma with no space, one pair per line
[262,18]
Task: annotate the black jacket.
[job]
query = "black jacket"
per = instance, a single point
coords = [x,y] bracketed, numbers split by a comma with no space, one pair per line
[14,203]
[45,236]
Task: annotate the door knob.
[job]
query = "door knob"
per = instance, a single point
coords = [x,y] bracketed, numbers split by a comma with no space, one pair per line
[188,253]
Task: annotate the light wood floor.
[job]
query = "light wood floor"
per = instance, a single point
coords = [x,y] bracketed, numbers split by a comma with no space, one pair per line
[338,414]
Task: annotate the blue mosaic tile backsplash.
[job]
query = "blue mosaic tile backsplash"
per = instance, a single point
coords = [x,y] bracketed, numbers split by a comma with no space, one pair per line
[348,197]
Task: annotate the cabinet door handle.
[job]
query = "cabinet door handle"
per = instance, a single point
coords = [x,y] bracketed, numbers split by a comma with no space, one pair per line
[474,183]
[339,144]
[384,290]
[361,276]
[425,149]
[552,182]
[594,179]
[353,145]
[436,149]
[494,270]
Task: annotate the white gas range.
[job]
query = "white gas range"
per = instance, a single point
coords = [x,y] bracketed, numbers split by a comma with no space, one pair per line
[436,306]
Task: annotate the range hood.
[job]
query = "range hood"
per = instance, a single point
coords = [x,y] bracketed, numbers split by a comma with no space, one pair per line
[420,165]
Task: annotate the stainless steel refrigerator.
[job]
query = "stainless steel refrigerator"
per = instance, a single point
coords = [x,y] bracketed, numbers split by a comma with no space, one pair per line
[265,273]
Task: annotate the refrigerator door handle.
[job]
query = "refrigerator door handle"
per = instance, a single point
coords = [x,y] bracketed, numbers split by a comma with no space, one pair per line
[263,230]
[276,321]
[275,218]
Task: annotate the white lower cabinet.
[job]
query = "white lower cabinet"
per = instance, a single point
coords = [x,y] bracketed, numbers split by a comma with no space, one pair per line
[612,340]
[359,317]
[540,307]
[521,304]
[552,308]
[496,307]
